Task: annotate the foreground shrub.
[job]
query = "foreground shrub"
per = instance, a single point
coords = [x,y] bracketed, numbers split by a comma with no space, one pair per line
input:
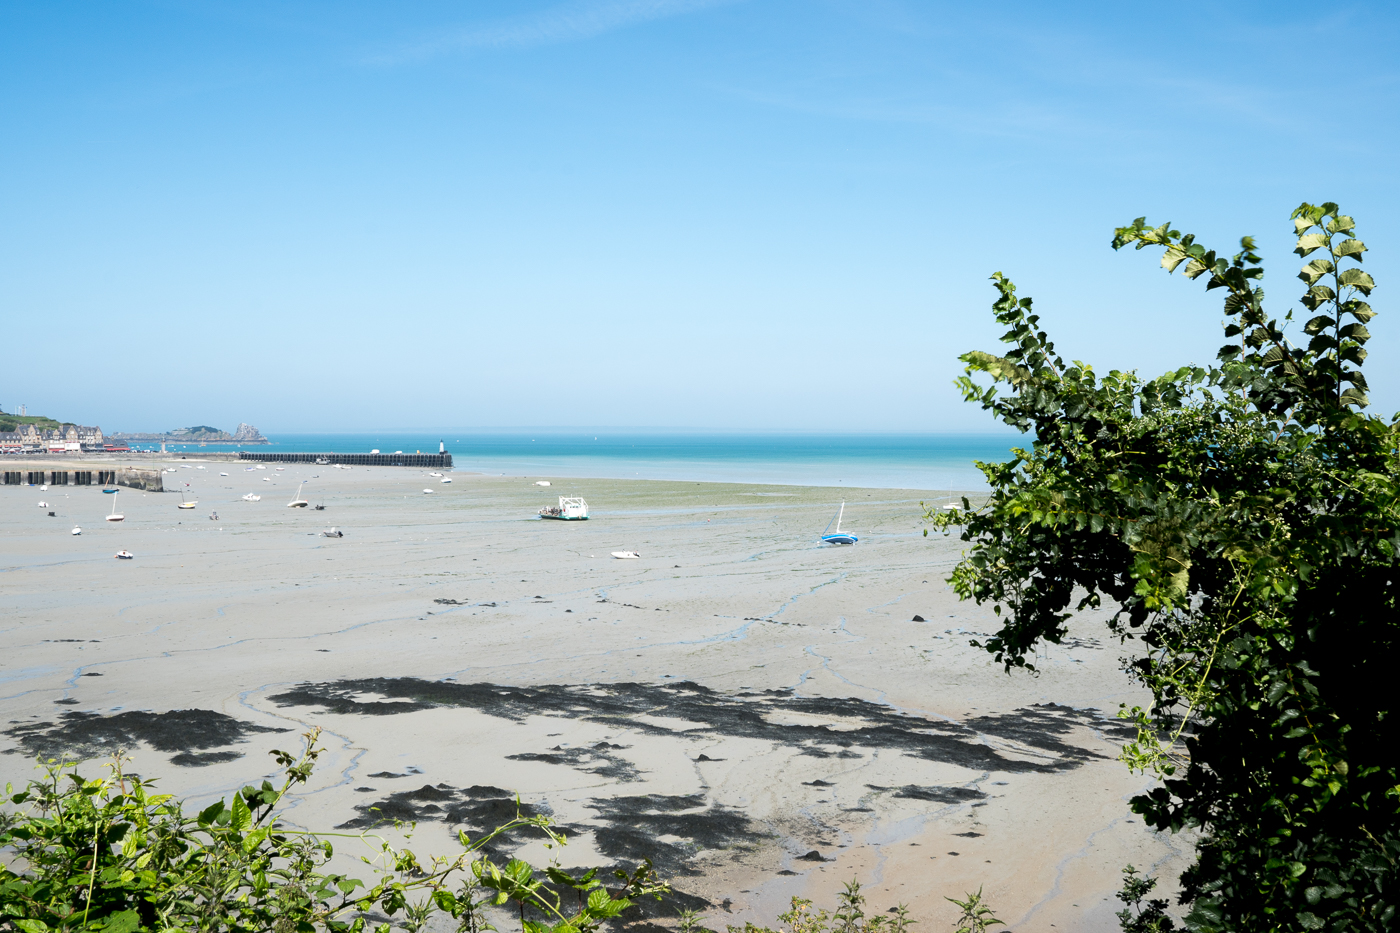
[108,854]
[1243,521]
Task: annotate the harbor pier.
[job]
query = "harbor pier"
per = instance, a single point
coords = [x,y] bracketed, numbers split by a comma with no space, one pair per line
[66,475]
[441,461]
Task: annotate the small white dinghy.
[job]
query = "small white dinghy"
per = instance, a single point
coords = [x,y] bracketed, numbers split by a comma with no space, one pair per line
[542,482]
[188,504]
[251,498]
[626,555]
[76,530]
[434,474]
[43,504]
[333,533]
[446,480]
[123,555]
[298,502]
[427,492]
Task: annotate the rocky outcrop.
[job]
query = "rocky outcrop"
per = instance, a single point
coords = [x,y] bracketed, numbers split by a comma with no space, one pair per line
[246,432]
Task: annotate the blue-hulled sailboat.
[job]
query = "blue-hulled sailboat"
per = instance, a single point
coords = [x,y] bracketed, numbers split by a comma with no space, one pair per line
[839,537]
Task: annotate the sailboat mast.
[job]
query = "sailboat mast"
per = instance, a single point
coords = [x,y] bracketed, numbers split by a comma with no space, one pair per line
[838,517]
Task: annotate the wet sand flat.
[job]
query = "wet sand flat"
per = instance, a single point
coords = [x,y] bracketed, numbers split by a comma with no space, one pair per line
[754,711]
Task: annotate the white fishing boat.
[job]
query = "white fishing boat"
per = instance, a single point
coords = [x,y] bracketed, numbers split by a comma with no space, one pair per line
[626,555]
[446,480]
[115,516]
[43,504]
[333,533]
[123,555]
[298,502]
[251,498]
[838,537]
[570,509]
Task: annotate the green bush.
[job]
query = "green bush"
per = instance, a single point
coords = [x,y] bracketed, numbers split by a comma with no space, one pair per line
[108,854]
[1242,521]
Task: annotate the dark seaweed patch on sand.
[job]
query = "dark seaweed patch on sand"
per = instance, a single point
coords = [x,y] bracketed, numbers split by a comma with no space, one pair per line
[1038,733]
[635,827]
[935,794]
[79,735]
[475,809]
[597,759]
[201,759]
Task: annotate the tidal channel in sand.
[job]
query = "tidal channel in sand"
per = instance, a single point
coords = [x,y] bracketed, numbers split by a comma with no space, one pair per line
[753,710]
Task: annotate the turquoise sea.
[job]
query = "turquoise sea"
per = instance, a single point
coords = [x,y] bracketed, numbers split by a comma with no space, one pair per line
[891,461]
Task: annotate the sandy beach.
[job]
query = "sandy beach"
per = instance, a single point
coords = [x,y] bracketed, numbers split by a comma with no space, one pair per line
[757,713]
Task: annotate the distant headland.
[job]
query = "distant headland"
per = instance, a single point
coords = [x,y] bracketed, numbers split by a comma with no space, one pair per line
[199,434]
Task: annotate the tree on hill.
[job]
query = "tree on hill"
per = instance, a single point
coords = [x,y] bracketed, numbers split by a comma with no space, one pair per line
[1243,522]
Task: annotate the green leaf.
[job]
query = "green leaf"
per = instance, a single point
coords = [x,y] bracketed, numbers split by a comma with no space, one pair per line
[1359,310]
[242,817]
[1350,248]
[31,926]
[127,921]
[1310,242]
[1316,270]
[1318,324]
[1353,396]
[210,813]
[1355,278]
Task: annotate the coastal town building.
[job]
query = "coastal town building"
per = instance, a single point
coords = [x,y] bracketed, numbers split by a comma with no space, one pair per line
[67,438]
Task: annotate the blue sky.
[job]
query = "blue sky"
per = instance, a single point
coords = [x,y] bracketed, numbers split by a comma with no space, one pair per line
[687,213]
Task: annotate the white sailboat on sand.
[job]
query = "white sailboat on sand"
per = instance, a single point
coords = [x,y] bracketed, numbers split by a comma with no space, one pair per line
[838,537]
[298,502]
[115,516]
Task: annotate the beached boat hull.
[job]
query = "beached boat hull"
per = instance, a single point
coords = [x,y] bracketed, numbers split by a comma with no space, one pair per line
[839,539]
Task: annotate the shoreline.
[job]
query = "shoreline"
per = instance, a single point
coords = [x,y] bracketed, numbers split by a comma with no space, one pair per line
[738,698]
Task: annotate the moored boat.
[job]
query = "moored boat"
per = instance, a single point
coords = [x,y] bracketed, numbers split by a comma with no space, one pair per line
[570,509]
[839,537]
